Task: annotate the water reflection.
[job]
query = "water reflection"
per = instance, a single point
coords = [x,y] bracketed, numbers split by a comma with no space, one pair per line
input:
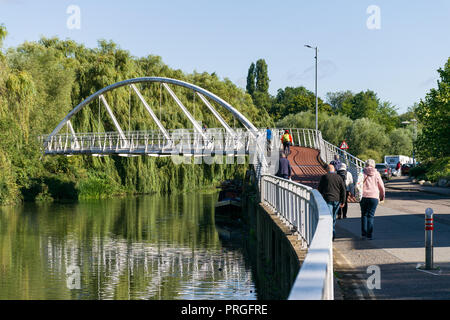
[139,248]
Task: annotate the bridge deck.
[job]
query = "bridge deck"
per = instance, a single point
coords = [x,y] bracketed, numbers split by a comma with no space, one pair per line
[307,167]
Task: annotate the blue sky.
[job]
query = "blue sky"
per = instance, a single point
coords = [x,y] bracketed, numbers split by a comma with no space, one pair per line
[397,61]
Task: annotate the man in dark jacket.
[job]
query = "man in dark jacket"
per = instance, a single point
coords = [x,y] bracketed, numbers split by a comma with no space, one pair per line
[333,190]
[284,168]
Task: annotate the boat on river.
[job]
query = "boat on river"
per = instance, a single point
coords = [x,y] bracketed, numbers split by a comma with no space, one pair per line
[229,204]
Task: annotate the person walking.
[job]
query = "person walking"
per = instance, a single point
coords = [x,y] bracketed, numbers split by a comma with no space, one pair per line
[373,192]
[399,169]
[284,167]
[269,140]
[333,190]
[350,188]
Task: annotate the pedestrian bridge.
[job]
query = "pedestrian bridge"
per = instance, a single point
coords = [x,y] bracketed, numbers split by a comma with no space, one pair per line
[297,203]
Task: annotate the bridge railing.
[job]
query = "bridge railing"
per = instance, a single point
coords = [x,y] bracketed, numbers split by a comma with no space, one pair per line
[303,210]
[311,138]
[147,142]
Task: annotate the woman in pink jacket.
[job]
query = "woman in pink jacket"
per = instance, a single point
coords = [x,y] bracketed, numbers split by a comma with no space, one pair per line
[372,193]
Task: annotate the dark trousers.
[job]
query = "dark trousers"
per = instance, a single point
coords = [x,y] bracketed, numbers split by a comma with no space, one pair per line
[368,208]
[343,211]
[333,206]
[287,147]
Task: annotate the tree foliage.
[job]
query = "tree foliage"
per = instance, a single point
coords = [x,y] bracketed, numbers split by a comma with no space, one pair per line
[251,80]
[294,100]
[40,82]
[262,76]
[434,116]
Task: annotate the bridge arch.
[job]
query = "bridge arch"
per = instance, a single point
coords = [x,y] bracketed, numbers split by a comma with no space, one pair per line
[130,82]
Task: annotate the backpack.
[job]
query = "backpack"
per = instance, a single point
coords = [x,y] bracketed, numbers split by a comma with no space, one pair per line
[286,137]
[359,187]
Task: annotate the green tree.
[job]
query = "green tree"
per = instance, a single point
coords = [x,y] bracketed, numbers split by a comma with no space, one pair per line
[387,116]
[434,116]
[3,34]
[251,78]
[293,100]
[335,128]
[364,105]
[400,142]
[262,76]
[339,101]
[365,135]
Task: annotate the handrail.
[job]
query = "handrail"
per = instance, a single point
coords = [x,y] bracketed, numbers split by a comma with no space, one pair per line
[311,138]
[304,210]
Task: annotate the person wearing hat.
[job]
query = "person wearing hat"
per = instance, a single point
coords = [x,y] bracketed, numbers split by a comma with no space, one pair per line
[350,188]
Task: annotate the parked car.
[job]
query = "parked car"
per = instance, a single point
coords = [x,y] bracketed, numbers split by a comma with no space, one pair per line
[384,170]
[405,169]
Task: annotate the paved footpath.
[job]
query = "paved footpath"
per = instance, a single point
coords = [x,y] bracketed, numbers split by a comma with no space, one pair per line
[397,248]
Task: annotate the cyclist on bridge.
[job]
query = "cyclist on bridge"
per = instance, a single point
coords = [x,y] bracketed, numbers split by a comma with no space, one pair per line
[287,141]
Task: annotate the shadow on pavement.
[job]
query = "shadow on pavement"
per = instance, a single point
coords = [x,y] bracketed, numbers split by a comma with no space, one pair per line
[389,232]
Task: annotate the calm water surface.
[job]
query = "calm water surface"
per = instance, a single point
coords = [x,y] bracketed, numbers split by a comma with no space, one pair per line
[148,247]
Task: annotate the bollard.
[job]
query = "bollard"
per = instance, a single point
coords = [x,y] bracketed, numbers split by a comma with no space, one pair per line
[429,227]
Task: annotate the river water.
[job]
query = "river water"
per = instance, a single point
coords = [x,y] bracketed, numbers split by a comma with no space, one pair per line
[147,247]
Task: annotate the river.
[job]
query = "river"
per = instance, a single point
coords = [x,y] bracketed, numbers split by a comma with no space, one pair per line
[145,247]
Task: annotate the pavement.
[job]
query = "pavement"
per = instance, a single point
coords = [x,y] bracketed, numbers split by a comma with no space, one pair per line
[398,248]
[405,183]
[390,266]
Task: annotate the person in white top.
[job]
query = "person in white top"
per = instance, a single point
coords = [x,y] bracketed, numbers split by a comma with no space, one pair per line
[348,179]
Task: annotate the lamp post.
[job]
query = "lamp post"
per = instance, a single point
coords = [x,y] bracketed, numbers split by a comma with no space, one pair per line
[414,141]
[317,99]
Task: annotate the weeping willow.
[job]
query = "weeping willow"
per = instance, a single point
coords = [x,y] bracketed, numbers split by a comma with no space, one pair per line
[40,82]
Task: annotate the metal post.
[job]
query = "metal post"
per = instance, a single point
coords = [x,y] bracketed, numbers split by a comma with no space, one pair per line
[317,99]
[429,227]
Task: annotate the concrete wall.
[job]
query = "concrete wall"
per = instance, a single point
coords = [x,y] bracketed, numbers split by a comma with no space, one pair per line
[276,252]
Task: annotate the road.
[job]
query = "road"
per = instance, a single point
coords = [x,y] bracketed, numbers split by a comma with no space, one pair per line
[398,248]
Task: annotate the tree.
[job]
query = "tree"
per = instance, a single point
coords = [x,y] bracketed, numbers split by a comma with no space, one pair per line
[293,100]
[262,76]
[409,114]
[400,142]
[3,34]
[339,100]
[251,78]
[434,116]
[365,134]
[387,116]
[364,105]
[335,129]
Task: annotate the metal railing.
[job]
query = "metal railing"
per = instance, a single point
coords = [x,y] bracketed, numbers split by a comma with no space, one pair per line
[311,138]
[182,141]
[304,210]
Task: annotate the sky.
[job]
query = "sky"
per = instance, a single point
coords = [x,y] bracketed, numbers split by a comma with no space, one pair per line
[394,49]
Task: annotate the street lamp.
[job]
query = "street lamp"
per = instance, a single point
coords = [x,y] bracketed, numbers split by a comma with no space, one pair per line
[317,99]
[414,140]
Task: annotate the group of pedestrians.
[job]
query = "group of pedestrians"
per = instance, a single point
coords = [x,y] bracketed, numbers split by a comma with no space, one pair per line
[338,185]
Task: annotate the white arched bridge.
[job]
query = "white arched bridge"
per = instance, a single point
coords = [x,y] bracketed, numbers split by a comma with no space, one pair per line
[297,203]
[197,140]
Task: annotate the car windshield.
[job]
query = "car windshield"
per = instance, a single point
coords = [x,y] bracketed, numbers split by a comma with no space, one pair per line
[380,166]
